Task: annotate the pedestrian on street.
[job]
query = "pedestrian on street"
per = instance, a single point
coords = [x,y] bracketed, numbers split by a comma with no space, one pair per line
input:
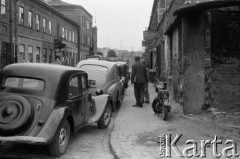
[139,78]
[146,92]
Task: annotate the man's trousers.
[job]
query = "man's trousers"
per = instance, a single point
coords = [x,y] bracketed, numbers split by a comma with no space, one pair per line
[139,93]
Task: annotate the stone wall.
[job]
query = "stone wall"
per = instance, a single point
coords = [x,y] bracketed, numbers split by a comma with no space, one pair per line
[222,59]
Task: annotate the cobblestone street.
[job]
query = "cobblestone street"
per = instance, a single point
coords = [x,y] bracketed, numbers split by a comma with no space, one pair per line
[88,143]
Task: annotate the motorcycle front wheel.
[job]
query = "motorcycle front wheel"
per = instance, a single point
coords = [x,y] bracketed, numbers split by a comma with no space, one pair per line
[164,113]
[156,106]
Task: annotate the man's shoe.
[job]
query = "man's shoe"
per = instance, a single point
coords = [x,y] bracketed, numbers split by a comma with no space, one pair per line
[146,102]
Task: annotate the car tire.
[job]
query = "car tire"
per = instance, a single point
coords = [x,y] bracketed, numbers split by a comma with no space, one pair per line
[60,144]
[15,114]
[105,119]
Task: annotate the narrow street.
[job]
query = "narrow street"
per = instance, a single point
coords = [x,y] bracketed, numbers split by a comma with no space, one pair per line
[134,134]
[90,142]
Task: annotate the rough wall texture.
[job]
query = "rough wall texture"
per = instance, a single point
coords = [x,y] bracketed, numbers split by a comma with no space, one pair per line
[223,77]
[193,52]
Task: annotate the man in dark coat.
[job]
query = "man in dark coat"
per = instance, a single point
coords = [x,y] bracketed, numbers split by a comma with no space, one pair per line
[139,78]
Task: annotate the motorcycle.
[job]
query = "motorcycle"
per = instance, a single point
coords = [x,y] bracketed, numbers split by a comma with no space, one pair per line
[161,103]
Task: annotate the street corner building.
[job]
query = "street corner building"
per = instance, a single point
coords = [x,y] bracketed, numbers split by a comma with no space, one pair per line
[41,31]
[194,45]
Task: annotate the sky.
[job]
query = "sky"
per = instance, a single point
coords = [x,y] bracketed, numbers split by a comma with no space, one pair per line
[120,23]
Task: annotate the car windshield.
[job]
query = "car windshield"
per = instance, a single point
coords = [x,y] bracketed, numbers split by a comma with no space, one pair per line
[94,67]
[24,83]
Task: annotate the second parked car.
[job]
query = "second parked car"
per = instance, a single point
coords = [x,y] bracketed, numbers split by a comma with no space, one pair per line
[104,78]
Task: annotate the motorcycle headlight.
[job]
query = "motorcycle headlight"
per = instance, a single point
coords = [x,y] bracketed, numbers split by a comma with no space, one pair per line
[165,95]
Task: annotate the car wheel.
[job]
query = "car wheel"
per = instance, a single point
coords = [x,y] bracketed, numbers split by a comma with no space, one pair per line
[59,146]
[15,114]
[105,119]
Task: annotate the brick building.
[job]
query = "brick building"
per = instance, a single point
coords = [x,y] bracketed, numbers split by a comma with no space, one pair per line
[197,47]
[83,18]
[37,33]
[6,47]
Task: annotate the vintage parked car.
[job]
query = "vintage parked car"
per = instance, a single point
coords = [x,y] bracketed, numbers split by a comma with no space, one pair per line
[43,103]
[124,72]
[104,78]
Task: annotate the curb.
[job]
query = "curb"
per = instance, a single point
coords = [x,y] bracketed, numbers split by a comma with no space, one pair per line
[115,147]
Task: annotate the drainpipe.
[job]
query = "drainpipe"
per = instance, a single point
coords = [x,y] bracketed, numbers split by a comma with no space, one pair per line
[16,31]
[11,32]
[79,43]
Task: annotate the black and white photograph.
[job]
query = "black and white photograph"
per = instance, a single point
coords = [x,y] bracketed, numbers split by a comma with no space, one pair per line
[119,79]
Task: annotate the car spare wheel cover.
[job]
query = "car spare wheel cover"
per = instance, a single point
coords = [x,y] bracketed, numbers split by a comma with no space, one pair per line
[15,112]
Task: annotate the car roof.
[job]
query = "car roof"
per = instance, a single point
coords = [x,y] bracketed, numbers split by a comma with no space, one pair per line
[119,63]
[55,76]
[38,70]
[107,64]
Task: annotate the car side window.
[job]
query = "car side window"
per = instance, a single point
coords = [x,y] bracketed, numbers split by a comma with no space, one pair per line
[84,84]
[73,90]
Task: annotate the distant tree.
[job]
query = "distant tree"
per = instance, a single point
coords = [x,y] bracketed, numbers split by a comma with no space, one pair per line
[111,53]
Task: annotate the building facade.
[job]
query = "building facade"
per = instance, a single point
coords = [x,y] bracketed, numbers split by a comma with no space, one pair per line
[36,32]
[197,49]
[83,18]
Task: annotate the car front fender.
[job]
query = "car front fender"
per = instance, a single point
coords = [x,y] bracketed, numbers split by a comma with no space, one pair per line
[99,104]
[53,122]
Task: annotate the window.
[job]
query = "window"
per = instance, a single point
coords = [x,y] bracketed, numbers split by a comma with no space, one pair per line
[38,54]
[24,83]
[70,35]
[21,53]
[63,33]
[29,19]
[30,53]
[84,84]
[83,20]
[73,36]
[44,55]
[44,25]
[66,34]
[87,24]
[21,15]
[37,22]
[88,41]
[94,67]
[3,7]
[50,55]
[161,9]
[73,89]
[50,27]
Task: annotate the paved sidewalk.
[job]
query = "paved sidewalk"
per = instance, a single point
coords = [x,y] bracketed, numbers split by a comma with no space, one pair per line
[136,130]
[132,123]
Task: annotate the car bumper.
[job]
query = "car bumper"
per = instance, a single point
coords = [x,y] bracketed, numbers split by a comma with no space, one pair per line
[24,139]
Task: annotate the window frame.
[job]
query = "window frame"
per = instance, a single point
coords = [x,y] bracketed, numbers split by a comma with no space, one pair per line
[50,27]
[21,15]
[37,20]
[44,24]
[79,87]
[3,7]
[30,18]
[63,32]
[30,52]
